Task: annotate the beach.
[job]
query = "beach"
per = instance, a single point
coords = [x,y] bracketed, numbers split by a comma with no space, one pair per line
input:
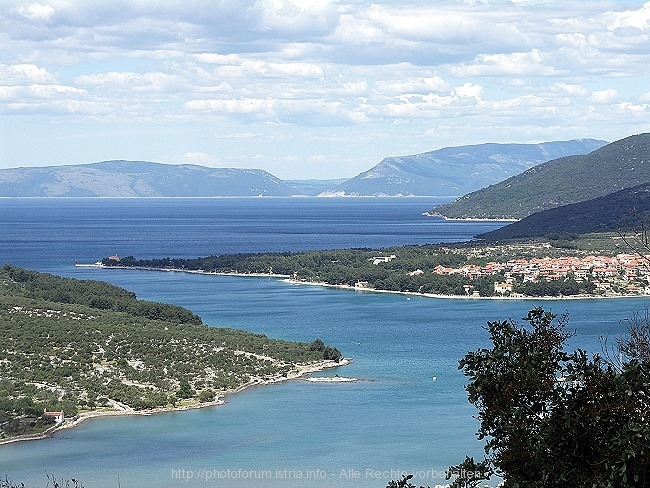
[364,289]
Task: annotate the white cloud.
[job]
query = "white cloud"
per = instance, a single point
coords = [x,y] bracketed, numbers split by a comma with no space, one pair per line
[25,73]
[638,19]
[469,90]
[36,11]
[62,107]
[112,77]
[511,64]
[631,107]
[308,17]
[433,84]
[253,67]
[198,157]
[215,58]
[571,89]
[233,106]
[604,96]
[349,80]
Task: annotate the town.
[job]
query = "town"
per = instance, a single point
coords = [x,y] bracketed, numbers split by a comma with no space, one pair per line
[623,274]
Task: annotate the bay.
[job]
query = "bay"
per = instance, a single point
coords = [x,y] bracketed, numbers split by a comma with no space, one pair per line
[296,433]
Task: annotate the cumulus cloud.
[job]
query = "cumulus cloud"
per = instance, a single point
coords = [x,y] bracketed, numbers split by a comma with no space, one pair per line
[633,107]
[305,71]
[303,17]
[433,84]
[571,89]
[36,12]
[202,158]
[510,64]
[469,90]
[638,19]
[604,96]
[18,73]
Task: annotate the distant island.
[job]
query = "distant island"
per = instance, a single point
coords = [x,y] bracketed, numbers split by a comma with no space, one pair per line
[446,172]
[76,349]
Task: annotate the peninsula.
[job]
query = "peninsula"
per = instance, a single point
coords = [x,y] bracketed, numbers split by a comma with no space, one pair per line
[74,349]
[587,266]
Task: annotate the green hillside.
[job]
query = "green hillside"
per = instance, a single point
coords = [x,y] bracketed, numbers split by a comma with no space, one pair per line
[625,210]
[76,346]
[621,164]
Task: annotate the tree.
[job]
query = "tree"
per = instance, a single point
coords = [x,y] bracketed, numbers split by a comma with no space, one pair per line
[185,390]
[553,419]
[636,343]
[403,483]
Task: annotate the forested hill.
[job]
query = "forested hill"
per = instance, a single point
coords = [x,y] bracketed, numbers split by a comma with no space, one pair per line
[76,345]
[625,210]
[93,294]
[621,164]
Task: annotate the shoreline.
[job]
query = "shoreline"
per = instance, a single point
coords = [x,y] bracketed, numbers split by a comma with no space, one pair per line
[467,219]
[287,279]
[300,371]
[409,294]
[179,270]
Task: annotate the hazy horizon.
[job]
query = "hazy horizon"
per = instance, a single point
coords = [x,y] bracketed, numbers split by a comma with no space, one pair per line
[333,178]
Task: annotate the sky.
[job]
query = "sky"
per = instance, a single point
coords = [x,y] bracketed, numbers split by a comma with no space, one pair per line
[313,88]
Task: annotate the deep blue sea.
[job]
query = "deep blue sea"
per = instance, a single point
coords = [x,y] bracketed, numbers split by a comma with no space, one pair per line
[294,434]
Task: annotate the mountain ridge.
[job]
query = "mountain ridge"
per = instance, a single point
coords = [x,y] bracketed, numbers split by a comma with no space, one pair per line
[435,173]
[121,178]
[452,171]
[620,164]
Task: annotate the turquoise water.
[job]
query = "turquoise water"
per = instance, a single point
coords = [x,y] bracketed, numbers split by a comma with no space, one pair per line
[296,433]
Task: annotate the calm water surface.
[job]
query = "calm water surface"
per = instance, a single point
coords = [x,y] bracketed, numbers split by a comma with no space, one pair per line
[360,434]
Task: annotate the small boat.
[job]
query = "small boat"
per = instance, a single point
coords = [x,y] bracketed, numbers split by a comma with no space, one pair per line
[434,378]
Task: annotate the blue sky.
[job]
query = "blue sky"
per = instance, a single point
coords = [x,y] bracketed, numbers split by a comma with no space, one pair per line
[313,88]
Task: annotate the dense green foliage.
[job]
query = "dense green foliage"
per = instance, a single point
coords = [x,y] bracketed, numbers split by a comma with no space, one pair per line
[556,419]
[340,267]
[554,288]
[622,164]
[94,294]
[623,210]
[59,352]
[410,270]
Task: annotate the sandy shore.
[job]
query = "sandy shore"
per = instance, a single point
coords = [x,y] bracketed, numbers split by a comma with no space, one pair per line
[287,279]
[467,219]
[363,289]
[180,270]
[301,371]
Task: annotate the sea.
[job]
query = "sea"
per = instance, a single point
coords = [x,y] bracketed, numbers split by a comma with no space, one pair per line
[396,420]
